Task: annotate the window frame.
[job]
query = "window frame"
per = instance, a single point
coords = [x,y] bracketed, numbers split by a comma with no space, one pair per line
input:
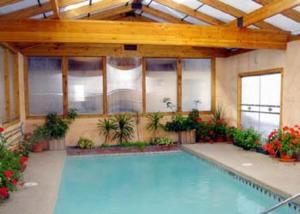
[105,98]
[279,70]
[15,80]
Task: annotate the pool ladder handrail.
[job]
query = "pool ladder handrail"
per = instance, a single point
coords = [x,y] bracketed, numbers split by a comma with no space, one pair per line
[281,203]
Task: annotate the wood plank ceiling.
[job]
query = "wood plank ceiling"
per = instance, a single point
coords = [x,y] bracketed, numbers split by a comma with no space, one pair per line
[179,13]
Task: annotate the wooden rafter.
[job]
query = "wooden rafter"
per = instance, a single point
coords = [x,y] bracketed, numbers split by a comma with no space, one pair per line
[190,12]
[84,10]
[271,9]
[8,2]
[36,10]
[226,8]
[110,12]
[137,18]
[291,13]
[109,32]
[162,15]
[55,8]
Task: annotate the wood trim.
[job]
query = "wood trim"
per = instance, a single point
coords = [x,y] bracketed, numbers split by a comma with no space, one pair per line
[65,70]
[16,84]
[54,31]
[258,73]
[104,78]
[144,88]
[8,2]
[55,9]
[179,85]
[213,85]
[6,84]
[26,85]
[11,123]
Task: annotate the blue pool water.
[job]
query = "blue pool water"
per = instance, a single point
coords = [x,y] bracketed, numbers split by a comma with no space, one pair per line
[171,183]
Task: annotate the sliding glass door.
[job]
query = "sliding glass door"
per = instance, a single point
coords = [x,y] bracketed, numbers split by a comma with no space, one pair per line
[261,102]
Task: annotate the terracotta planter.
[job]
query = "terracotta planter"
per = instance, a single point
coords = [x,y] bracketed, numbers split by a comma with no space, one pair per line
[287,158]
[37,147]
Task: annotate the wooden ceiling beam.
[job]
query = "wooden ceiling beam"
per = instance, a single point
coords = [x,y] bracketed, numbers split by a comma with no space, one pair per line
[36,10]
[271,9]
[110,12]
[226,8]
[190,12]
[162,15]
[84,10]
[55,9]
[137,18]
[113,32]
[8,2]
[290,13]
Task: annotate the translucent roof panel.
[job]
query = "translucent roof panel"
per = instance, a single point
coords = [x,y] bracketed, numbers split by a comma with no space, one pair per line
[195,21]
[75,6]
[19,5]
[153,17]
[167,10]
[244,5]
[284,23]
[216,13]
[41,16]
[193,4]
[297,8]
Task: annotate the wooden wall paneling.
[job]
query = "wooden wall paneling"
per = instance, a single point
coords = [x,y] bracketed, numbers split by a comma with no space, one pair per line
[179,85]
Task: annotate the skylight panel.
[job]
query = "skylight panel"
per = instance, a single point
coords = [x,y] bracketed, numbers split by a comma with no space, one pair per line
[195,21]
[167,10]
[283,22]
[244,5]
[41,16]
[19,5]
[193,4]
[153,17]
[216,13]
[297,8]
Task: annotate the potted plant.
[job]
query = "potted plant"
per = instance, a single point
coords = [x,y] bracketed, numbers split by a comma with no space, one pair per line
[58,127]
[40,139]
[154,124]
[124,130]
[230,131]
[178,125]
[106,127]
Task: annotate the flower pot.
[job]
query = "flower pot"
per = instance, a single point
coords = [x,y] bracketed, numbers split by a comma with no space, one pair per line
[37,147]
[287,158]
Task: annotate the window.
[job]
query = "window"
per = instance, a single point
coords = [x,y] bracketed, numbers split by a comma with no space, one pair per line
[196,84]
[124,84]
[45,85]
[260,102]
[85,85]
[161,83]
[9,83]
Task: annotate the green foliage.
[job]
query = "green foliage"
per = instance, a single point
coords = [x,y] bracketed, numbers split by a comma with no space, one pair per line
[58,126]
[161,141]
[154,123]
[230,132]
[40,133]
[139,144]
[85,143]
[107,128]
[218,114]
[247,138]
[124,128]
[177,124]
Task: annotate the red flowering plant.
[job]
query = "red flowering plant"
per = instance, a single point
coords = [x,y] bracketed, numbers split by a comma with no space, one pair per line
[10,165]
[285,141]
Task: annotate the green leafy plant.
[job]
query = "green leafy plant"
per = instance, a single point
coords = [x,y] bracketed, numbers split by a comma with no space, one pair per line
[161,141]
[154,123]
[107,127]
[85,143]
[177,124]
[58,126]
[230,132]
[39,134]
[247,138]
[124,128]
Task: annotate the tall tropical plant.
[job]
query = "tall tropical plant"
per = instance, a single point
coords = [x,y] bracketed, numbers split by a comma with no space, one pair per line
[124,128]
[154,123]
[106,127]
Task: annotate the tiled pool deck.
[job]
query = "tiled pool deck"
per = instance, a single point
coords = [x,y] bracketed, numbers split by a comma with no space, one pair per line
[45,169]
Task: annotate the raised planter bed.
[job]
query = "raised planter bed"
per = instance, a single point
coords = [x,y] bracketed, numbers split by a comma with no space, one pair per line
[119,149]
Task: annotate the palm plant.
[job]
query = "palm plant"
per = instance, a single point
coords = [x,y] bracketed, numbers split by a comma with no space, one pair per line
[106,128]
[124,128]
[154,123]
